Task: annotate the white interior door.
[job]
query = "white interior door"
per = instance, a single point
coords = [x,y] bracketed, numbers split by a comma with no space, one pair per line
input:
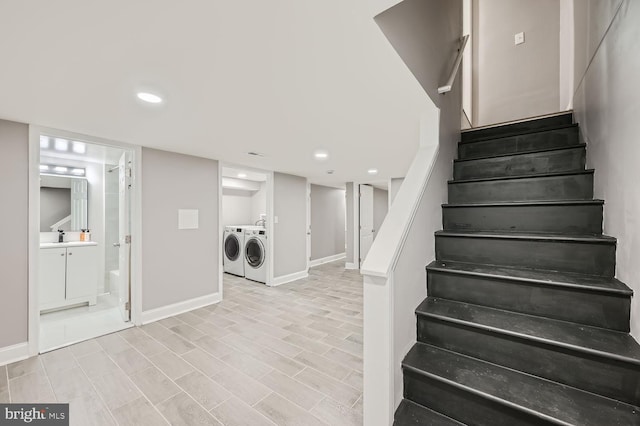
[124,238]
[366,220]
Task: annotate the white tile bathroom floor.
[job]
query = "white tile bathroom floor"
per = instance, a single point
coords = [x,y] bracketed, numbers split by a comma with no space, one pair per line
[61,328]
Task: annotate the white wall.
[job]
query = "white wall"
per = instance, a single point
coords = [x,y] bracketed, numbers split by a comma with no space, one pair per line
[380,208]
[236,207]
[178,265]
[512,82]
[14,175]
[258,203]
[327,221]
[290,230]
[607,109]
[394,270]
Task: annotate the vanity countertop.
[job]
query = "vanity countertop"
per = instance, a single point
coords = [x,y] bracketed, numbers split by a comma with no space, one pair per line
[68,244]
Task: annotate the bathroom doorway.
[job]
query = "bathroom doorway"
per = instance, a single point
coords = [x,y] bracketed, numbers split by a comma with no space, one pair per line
[83,278]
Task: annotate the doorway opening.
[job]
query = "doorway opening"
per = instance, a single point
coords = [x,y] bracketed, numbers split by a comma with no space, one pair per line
[83,277]
[373,208]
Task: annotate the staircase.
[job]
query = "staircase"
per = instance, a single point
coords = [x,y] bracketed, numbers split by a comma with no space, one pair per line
[525,323]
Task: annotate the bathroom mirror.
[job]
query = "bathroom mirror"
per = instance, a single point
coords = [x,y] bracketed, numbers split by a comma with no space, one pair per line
[63,203]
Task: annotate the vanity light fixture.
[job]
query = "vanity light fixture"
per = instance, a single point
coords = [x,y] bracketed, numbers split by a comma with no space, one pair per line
[372,171]
[61,144]
[242,175]
[149,97]
[79,147]
[74,172]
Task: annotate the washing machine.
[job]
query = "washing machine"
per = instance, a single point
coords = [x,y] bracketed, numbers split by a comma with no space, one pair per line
[255,254]
[233,260]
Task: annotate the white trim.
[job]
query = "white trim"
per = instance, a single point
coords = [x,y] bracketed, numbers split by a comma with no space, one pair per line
[356,224]
[220,234]
[350,265]
[327,259]
[308,218]
[290,277]
[33,315]
[34,225]
[271,230]
[179,308]
[14,353]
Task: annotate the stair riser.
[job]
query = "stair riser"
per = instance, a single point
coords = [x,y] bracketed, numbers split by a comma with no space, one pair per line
[567,219]
[520,143]
[610,378]
[462,405]
[603,310]
[569,256]
[524,126]
[544,188]
[569,160]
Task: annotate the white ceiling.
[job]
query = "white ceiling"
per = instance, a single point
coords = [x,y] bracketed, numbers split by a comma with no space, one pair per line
[282,78]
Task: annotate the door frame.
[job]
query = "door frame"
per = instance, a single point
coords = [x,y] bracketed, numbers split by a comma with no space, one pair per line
[33,336]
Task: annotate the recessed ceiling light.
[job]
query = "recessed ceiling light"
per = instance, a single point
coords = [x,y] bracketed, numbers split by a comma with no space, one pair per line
[321,154]
[372,171]
[242,175]
[149,97]
[79,147]
[61,144]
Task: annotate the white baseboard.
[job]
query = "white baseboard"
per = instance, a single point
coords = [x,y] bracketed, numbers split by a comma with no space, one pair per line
[327,259]
[288,278]
[179,308]
[350,265]
[14,353]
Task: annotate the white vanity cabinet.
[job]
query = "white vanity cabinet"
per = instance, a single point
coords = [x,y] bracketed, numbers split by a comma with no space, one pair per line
[68,274]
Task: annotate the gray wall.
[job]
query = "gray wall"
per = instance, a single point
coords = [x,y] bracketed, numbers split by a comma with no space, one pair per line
[178,264]
[55,204]
[14,190]
[512,82]
[349,234]
[421,32]
[607,108]
[290,233]
[327,221]
[380,208]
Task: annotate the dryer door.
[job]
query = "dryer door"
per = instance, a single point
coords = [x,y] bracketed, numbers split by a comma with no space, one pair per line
[232,247]
[254,252]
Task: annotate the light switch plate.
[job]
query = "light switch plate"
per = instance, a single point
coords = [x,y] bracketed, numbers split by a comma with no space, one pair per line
[187,219]
[519,38]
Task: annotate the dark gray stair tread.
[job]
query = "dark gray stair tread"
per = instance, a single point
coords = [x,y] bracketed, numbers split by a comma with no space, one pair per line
[409,413]
[521,153]
[520,133]
[536,175]
[598,239]
[518,126]
[592,340]
[565,279]
[526,203]
[548,400]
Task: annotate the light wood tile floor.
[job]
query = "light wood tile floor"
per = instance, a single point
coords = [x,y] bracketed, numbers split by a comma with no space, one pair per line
[288,355]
